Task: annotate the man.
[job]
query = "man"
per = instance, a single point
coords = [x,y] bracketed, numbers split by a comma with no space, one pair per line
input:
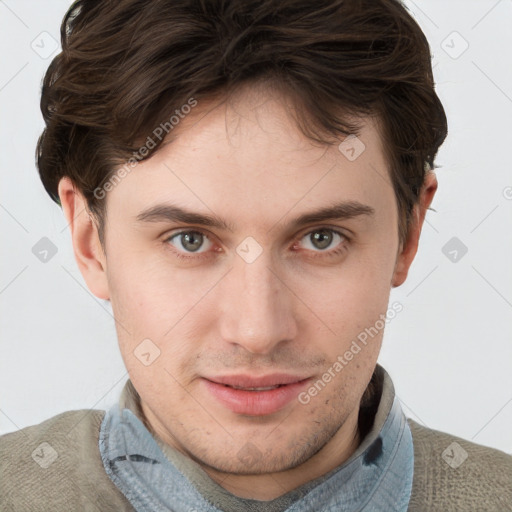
[245,181]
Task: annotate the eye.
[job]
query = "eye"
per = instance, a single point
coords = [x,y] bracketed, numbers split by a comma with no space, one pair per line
[189,242]
[185,244]
[321,239]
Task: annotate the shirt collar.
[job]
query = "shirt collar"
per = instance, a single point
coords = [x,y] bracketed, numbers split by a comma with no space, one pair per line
[154,476]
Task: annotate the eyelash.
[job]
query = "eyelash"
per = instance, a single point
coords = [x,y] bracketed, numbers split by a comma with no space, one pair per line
[334,252]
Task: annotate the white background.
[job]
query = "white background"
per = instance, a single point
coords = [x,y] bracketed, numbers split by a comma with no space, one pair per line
[449,352]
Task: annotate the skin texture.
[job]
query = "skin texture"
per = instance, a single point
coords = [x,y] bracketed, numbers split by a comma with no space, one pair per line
[294,309]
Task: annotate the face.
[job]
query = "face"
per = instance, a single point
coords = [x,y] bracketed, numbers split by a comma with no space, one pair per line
[255,297]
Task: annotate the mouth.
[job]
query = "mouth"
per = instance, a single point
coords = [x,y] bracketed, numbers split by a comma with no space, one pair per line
[256,389]
[255,396]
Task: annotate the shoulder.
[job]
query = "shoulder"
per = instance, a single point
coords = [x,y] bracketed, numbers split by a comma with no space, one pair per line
[56,465]
[453,474]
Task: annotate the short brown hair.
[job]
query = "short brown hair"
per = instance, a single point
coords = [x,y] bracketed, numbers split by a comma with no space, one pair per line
[127,65]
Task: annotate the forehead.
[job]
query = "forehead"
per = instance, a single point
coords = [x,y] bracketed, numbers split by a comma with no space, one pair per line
[248,156]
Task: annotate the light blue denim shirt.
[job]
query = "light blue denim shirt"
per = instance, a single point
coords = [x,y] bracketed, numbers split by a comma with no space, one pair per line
[155,477]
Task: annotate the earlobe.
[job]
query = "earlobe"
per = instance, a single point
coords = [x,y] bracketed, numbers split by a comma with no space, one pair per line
[88,252]
[408,251]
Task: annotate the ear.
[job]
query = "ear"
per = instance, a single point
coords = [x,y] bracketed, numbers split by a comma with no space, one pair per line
[408,251]
[88,252]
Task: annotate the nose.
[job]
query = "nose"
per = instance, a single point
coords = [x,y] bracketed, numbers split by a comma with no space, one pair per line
[256,306]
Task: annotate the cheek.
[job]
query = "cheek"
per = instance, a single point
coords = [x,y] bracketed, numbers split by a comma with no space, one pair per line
[146,287]
[152,301]
[352,295]
[352,303]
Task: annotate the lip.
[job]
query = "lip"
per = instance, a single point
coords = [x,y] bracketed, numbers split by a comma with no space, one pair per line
[255,403]
[251,381]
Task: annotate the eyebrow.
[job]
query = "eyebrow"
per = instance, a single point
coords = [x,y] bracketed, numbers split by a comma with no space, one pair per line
[171,213]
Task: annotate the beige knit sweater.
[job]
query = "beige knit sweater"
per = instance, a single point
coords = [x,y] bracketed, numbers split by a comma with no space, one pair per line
[75,479]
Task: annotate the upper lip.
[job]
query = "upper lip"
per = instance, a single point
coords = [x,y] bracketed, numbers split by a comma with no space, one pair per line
[250,381]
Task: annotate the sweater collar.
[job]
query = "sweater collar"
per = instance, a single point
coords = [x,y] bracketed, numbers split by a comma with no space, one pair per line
[154,476]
